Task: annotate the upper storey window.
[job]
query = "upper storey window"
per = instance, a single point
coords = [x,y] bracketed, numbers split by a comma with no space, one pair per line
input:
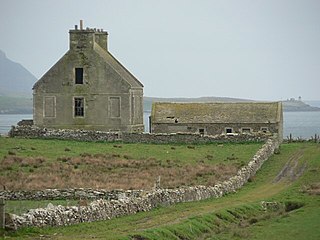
[79,75]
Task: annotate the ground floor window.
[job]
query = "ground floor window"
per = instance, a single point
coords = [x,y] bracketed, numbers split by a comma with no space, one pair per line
[246,130]
[201,131]
[264,129]
[78,107]
[229,130]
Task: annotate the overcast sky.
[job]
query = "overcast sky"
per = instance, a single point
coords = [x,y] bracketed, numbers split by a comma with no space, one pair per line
[253,49]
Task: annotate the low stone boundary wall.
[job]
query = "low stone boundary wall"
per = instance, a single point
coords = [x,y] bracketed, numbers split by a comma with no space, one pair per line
[66,134]
[87,135]
[70,194]
[162,138]
[104,209]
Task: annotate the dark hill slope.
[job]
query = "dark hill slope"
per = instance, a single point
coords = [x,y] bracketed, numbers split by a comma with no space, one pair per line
[15,80]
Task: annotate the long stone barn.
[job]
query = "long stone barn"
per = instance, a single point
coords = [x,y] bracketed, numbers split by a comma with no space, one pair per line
[88,88]
[217,118]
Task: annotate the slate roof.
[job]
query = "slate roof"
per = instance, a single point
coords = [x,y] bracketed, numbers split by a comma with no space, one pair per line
[244,112]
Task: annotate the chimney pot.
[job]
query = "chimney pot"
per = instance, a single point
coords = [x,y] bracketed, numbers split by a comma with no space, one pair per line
[75,27]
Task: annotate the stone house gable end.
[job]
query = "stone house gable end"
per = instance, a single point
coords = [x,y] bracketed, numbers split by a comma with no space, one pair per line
[112,96]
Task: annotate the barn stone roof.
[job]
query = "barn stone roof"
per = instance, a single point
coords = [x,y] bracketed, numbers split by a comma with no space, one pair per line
[244,112]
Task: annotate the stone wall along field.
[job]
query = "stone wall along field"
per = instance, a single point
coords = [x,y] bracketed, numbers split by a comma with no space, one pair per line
[70,194]
[145,201]
[87,135]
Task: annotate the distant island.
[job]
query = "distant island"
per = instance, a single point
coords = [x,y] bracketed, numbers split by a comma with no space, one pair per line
[293,105]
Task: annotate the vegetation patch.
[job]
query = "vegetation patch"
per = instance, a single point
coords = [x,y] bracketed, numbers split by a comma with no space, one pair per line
[312,189]
[71,164]
[232,222]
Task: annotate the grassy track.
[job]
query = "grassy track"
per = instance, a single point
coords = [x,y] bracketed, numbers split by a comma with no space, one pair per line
[212,219]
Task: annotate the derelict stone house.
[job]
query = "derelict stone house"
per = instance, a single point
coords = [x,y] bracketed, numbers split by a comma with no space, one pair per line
[89,89]
[217,118]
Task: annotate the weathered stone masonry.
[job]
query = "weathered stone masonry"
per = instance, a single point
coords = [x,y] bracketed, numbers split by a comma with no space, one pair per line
[145,201]
[87,135]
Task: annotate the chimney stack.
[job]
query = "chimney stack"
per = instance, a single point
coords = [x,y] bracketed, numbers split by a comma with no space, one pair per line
[81,24]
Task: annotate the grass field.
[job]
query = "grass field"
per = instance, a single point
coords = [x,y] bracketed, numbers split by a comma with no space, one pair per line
[38,164]
[235,216]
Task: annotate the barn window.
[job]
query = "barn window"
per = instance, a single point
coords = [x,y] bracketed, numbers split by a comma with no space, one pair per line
[79,75]
[265,129]
[246,130]
[229,130]
[201,131]
[78,107]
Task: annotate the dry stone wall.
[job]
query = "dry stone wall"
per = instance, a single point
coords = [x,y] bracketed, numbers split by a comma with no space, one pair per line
[163,138]
[145,201]
[87,135]
[70,194]
[66,134]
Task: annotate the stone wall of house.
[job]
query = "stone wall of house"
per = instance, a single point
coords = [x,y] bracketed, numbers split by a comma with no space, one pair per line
[213,128]
[87,135]
[144,201]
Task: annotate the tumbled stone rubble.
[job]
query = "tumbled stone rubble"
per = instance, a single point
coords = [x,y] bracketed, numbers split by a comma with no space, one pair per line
[145,201]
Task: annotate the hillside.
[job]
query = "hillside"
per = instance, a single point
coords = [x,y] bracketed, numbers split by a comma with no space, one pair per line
[15,80]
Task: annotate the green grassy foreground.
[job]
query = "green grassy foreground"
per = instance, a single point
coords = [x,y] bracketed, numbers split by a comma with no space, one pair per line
[236,216]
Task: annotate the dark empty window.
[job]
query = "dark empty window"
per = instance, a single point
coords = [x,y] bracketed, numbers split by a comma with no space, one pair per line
[79,75]
[78,107]
[264,129]
[228,130]
[201,131]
